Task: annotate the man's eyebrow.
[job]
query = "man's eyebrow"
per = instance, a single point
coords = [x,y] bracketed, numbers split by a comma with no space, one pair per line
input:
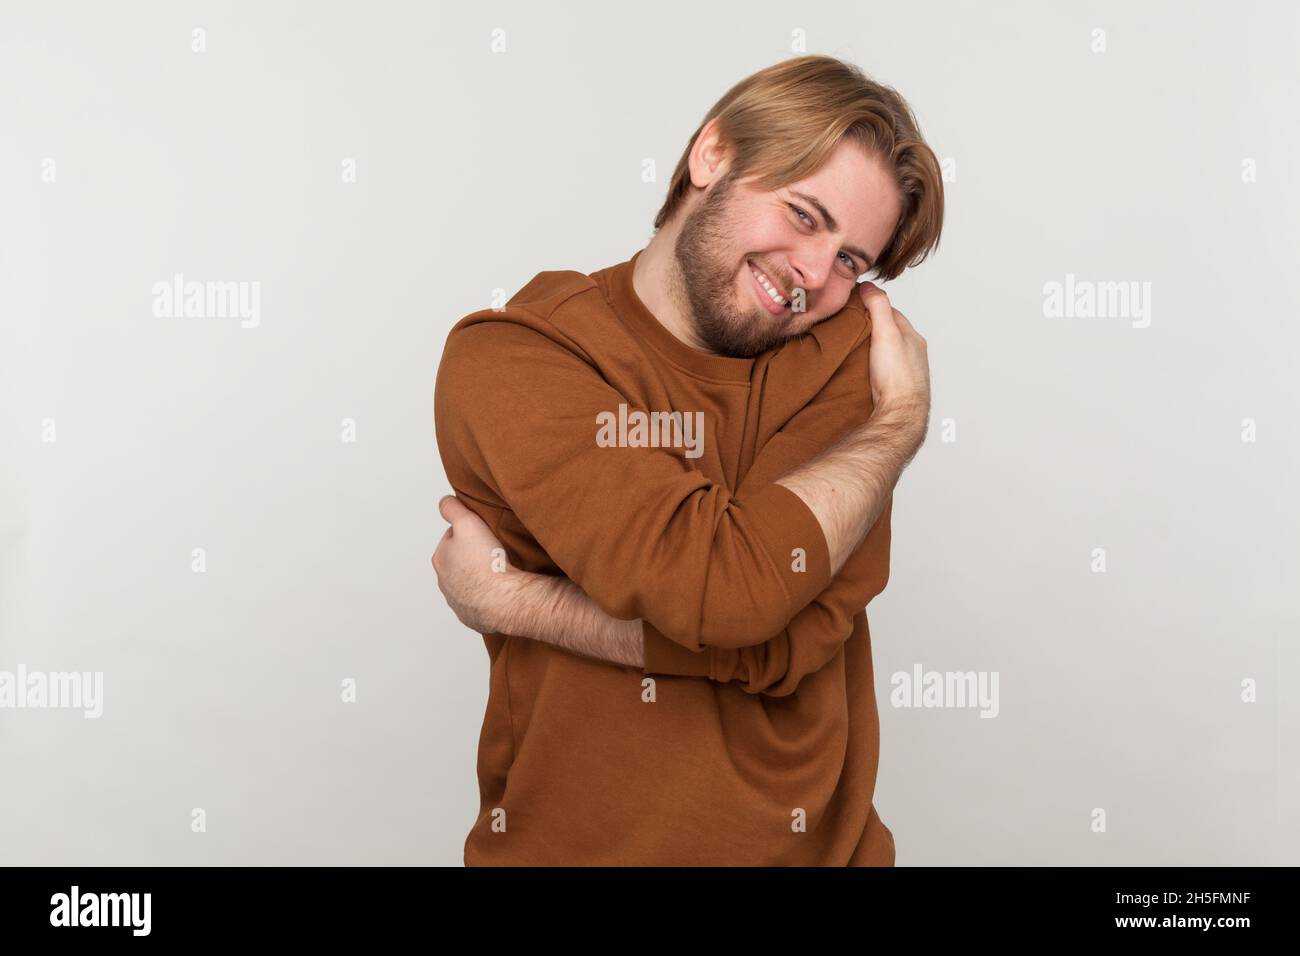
[834,226]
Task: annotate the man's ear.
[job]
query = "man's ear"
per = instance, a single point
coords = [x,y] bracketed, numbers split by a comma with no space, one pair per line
[709,157]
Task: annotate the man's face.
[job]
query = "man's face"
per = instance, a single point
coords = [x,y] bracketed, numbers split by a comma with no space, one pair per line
[732,229]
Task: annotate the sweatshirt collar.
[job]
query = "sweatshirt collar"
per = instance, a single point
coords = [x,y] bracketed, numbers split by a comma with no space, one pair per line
[623,297]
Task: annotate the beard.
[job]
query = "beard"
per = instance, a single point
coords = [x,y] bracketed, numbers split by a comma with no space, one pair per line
[704,284]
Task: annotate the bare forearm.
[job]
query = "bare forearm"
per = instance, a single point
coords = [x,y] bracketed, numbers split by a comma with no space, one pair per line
[847,485]
[556,611]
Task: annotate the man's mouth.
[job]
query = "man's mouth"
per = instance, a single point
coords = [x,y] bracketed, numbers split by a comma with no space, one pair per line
[766,290]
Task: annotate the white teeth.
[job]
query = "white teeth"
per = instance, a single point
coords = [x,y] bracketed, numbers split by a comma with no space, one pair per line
[762,280]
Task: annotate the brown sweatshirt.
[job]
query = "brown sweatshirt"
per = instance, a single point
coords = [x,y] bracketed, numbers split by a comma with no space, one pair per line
[752,737]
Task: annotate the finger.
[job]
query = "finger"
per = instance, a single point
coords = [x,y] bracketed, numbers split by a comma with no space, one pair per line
[452,510]
[446,535]
[867,290]
[463,520]
[879,310]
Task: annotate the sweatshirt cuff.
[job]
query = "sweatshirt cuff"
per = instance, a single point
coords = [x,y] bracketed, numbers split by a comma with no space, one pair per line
[785,524]
[663,656]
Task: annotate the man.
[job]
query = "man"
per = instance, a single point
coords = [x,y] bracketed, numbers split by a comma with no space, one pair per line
[674,479]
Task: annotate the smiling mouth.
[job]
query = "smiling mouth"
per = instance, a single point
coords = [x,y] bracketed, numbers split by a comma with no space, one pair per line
[766,291]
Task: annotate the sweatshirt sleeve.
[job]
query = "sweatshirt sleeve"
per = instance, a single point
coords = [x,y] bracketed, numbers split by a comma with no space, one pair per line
[814,635]
[642,532]
[807,643]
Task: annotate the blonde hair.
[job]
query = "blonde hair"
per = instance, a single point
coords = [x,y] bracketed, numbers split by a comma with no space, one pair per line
[784,122]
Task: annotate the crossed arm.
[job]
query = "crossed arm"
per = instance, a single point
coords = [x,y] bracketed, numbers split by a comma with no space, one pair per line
[511,394]
[506,600]
[494,597]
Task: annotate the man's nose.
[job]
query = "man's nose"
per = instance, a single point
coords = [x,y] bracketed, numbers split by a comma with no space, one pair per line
[812,267]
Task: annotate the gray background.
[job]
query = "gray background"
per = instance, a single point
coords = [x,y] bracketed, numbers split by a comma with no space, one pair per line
[476,170]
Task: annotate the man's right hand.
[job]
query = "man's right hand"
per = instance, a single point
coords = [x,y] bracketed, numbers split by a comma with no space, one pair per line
[474,574]
[899,366]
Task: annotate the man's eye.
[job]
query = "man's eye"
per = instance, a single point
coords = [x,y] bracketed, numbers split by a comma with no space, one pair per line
[848,259]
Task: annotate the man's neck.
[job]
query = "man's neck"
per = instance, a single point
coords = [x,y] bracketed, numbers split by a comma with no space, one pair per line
[657,281]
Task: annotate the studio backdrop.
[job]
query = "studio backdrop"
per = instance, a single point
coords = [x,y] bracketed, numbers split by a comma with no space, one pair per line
[220,519]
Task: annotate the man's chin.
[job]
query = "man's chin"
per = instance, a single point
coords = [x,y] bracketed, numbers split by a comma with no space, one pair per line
[750,347]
